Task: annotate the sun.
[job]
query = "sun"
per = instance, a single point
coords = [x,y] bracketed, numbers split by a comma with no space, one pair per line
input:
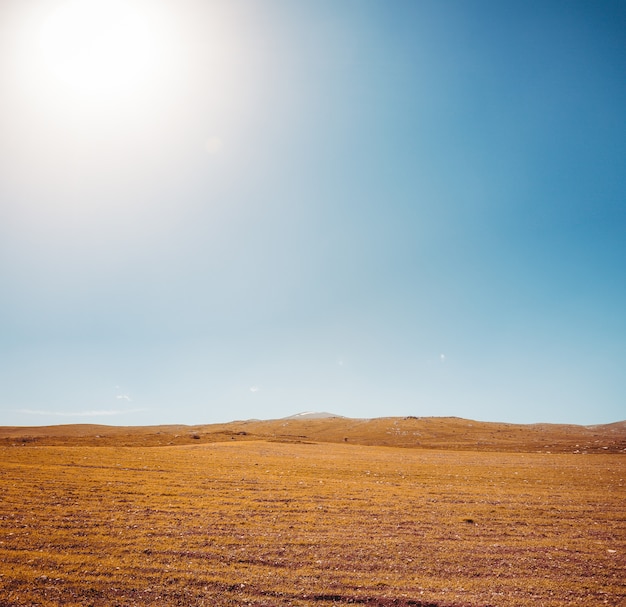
[100,48]
[94,91]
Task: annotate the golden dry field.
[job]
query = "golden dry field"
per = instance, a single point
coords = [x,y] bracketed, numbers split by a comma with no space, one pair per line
[265,522]
[413,432]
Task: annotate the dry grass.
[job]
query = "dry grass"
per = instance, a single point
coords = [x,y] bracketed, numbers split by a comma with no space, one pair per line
[269,523]
[411,432]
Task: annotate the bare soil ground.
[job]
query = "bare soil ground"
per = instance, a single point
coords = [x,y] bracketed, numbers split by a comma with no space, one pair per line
[277,522]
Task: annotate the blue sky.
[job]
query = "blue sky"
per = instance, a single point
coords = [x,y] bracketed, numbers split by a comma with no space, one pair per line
[233,210]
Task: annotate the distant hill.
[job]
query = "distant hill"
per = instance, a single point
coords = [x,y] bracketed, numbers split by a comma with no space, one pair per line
[312,415]
[450,433]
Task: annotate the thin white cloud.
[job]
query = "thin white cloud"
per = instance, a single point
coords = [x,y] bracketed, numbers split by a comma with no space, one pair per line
[124,397]
[94,413]
[442,358]
[254,388]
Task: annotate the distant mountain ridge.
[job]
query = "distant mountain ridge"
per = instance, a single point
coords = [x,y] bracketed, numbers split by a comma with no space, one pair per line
[313,415]
[442,433]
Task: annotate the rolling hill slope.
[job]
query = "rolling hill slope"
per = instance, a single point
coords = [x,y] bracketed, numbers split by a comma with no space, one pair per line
[448,433]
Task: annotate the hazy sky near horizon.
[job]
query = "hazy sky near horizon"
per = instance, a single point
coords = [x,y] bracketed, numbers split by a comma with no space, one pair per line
[227,210]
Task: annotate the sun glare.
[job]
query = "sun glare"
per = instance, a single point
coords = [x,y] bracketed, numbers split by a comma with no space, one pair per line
[105,90]
[94,94]
[99,47]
